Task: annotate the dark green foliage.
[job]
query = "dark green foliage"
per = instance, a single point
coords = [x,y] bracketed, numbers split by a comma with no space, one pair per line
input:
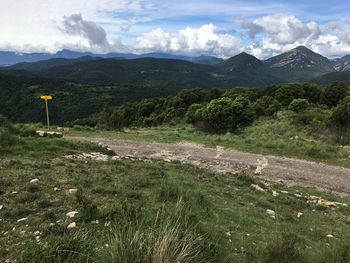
[334,93]
[298,105]
[286,94]
[194,113]
[225,114]
[340,119]
[7,133]
[267,106]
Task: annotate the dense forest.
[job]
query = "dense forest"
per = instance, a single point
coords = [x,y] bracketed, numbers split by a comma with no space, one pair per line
[20,92]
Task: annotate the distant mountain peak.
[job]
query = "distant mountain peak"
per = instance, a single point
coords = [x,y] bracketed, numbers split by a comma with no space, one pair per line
[242,61]
[300,57]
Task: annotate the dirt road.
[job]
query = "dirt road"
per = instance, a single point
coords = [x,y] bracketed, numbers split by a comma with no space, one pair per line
[290,171]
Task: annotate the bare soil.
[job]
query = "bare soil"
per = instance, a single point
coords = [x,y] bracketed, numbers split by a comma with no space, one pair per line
[289,171]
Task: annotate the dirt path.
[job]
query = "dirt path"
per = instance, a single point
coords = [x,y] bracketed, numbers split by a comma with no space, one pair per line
[291,171]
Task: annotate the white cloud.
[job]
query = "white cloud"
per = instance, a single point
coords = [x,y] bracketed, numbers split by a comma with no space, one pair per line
[34,25]
[191,41]
[277,33]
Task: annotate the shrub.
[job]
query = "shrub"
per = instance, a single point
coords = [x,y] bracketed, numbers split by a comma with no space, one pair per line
[334,93]
[194,113]
[225,114]
[287,93]
[340,121]
[7,132]
[267,106]
[298,105]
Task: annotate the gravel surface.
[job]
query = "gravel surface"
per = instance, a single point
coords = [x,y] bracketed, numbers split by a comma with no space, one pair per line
[290,171]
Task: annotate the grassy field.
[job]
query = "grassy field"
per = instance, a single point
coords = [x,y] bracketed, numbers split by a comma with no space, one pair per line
[278,136]
[151,211]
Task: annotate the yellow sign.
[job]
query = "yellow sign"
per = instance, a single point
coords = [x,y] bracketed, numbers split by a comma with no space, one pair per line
[46,97]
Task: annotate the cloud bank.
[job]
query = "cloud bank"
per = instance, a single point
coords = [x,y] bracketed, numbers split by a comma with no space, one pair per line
[160,26]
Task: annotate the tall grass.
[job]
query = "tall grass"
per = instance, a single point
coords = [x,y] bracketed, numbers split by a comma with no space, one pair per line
[168,239]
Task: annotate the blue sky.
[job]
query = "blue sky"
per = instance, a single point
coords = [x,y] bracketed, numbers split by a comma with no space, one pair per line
[221,28]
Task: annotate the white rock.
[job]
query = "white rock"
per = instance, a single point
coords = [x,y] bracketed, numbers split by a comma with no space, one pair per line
[257,187]
[274,193]
[22,219]
[34,181]
[299,215]
[228,234]
[72,225]
[56,189]
[262,164]
[95,222]
[1,207]
[72,214]
[330,236]
[73,191]
[271,213]
[36,233]
[284,192]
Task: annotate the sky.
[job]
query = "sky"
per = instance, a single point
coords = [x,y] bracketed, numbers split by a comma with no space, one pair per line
[221,28]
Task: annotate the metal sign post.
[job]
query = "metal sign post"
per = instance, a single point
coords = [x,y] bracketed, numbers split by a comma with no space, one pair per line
[46,98]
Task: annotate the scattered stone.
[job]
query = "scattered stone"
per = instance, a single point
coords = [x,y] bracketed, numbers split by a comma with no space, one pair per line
[271,213]
[298,195]
[330,236]
[326,203]
[257,187]
[95,222]
[36,233]
[22,219]
[1,207]
[228,234]
[73,191]
[262,164]
[14,193]
[72,225]
[299,215]
[284,192]
[34,181]
[94,156]
[274,193]
[49,134]
[72,214]
[56,189]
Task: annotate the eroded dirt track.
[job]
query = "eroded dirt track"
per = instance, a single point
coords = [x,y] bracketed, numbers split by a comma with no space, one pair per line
[291,171]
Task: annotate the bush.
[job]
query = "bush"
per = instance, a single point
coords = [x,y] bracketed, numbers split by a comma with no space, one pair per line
[340,121]
[298,105]
[334,93]
[194,113]
[7,132]
[287,93]
[225,114]
[267,106]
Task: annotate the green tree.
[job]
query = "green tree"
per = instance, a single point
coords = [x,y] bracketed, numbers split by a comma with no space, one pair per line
[334,93]
[340,120]
[298,105]
[225,114]
[287,93]
[194,113]
[266,106]
[312,92]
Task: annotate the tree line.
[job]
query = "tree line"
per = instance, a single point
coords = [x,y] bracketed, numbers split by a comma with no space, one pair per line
[219,111]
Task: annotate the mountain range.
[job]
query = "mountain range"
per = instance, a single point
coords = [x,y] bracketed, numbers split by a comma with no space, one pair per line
[8,58]
[156,69]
